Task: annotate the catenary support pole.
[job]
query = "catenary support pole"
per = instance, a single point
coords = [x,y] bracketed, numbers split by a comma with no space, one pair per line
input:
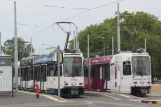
[15,48]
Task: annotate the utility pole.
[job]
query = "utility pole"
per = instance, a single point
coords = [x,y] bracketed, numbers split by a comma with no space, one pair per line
[104,45]
[112,45]
[32,63]
[89,74]
[107,50]
[145,44]
[31,46]
[118,27]
[74,40]
[78,44]
[0,45]
[118,37]
[15,48]
[58,54]
[76,37]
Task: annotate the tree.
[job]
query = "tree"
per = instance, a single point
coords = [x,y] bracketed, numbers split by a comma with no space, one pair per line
[24,49]
[134,28]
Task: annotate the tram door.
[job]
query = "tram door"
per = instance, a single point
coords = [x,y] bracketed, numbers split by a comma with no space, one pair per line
[35,74]
[25,77]
[99,76]
[22,76]
[43,76]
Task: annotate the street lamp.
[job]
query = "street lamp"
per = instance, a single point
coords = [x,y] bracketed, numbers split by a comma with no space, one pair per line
[46,45]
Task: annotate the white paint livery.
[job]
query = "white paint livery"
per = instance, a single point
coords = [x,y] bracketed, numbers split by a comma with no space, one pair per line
[128,83]
[45,74]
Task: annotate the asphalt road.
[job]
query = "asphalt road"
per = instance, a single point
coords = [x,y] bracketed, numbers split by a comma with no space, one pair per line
[102,99]
[90,99]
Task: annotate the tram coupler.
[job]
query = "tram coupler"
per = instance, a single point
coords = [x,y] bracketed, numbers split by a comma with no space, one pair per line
[37,90]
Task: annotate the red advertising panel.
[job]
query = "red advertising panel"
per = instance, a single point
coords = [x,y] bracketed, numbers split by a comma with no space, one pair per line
[100,60]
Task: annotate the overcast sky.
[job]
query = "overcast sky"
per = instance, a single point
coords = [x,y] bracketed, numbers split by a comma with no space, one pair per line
[33,16]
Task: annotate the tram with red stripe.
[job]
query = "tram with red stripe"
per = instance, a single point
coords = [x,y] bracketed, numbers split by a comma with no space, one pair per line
[125,72]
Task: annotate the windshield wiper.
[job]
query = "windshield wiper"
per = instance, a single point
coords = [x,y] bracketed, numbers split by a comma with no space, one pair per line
[68,72]
[141,73]
[77,71]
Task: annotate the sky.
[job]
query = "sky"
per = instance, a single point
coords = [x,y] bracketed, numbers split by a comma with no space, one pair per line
[35,15]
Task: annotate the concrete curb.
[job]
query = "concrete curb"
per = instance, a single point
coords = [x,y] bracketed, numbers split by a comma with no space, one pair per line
[151,101]
[51,97]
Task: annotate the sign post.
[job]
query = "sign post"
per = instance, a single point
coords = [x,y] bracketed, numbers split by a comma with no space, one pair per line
[58,51]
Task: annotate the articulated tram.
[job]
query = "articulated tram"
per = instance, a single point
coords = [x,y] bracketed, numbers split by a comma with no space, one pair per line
[43,70]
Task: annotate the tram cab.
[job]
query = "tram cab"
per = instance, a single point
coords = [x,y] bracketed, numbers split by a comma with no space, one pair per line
[130,73]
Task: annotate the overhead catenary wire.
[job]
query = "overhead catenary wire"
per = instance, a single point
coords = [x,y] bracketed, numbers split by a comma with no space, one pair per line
[51,6]
[93,9]
[23,24]
[50,26]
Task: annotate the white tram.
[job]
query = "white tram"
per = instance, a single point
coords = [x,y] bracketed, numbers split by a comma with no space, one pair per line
[46,74]
[124,72]
[131,73]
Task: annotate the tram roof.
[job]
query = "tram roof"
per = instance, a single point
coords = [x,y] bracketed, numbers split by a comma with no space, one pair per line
[3,55]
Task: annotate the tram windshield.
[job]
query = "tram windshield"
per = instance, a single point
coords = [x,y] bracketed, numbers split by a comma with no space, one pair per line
[72,66]
[141,65]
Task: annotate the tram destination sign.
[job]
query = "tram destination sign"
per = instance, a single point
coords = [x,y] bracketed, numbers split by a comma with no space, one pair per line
[100,60]
[43,59]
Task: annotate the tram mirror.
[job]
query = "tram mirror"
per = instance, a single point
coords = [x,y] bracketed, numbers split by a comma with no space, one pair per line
[85,68]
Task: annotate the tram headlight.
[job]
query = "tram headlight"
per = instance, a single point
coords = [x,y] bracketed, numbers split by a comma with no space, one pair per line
[73,83]
[142,82]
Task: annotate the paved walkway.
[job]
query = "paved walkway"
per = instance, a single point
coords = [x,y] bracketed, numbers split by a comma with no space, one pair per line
[24,99]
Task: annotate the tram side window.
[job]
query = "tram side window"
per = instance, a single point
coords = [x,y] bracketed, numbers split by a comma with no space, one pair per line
[22,72]
[13,73]
[25,74]
[18,72]
[52,69]
[28,73]
[108,72]
[126,68]
[98,72]
[85,71]
[48,70]
[92,70]
[44,73]
[31,72]
[35,73]
[38,73]
[56,71]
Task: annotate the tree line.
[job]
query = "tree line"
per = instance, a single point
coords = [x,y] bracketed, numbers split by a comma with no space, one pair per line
[134,28]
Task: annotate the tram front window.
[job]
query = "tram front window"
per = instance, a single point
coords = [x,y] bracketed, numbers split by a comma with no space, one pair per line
[141,65]
[72,66]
